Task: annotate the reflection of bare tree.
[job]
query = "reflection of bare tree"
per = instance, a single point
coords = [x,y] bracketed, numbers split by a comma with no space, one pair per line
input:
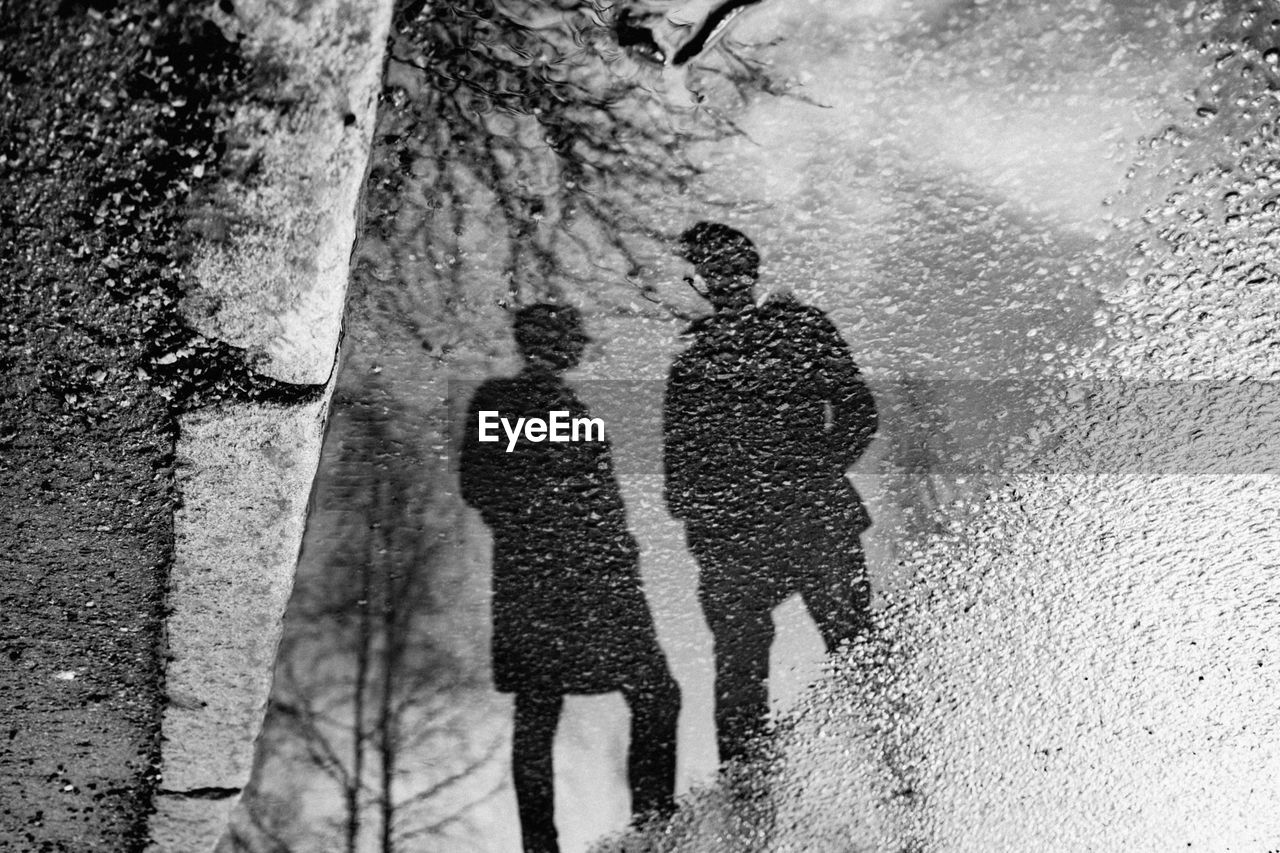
[362,684]
[529,121]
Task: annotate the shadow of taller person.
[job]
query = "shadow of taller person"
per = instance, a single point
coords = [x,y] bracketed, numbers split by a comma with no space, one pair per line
[569,611]
[764,414]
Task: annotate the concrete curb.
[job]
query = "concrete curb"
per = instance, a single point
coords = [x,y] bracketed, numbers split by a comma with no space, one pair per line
[276,288]
[246,475]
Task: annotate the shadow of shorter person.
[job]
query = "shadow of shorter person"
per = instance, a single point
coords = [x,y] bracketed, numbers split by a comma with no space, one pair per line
[569,611]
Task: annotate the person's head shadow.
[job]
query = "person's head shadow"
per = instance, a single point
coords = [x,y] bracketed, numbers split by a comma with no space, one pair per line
[725,259]
[549,337]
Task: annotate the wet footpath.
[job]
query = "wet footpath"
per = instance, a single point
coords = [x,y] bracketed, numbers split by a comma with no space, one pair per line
[1046,232]
[125,156]
[96,153]
[1009,210]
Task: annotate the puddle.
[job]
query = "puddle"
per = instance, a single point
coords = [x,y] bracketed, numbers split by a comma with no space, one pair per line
[1002,207]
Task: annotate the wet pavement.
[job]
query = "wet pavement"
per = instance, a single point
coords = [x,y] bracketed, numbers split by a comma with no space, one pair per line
[129,136]
[1044,231]
[95,168]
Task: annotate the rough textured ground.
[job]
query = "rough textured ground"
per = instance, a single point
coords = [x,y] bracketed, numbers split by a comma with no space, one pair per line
[108,120]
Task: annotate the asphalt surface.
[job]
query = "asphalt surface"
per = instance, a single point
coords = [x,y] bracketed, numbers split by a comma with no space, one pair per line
[107,151]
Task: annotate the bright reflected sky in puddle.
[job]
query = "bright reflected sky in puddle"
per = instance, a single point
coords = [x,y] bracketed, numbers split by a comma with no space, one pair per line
[927,156]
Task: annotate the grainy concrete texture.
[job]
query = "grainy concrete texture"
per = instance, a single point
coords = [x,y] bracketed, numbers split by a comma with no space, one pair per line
[245,471]
[178,193]
[276,286]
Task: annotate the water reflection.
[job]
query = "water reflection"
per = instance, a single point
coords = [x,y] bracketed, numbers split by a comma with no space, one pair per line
[1042,193]
[764,413]
[365,686]
[569,612]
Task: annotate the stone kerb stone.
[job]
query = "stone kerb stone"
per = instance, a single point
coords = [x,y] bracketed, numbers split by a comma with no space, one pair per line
[277,290]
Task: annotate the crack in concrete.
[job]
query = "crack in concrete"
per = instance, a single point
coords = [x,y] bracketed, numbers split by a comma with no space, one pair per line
[209,793]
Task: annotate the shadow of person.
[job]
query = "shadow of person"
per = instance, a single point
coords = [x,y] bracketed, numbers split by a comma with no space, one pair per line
[569,611]
[764,413]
